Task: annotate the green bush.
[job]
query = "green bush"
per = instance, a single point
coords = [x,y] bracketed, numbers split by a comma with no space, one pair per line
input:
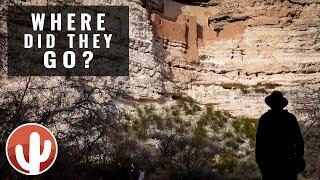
[183,142]
[247,127]
[232,144]
[246,169]
[200,133]
[216,119]
[226,163]
[312,151]
[188,105]
[228,134]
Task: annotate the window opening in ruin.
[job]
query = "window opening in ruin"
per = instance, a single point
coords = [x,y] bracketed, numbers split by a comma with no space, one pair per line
[187,37]
[176,97]
[203,4]
[218,30]
[199,32]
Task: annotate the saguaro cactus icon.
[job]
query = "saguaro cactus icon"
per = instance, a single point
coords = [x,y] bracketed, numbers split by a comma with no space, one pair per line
[35,158]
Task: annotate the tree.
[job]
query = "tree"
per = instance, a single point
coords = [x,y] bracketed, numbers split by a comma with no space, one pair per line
[82,125]
[308,105]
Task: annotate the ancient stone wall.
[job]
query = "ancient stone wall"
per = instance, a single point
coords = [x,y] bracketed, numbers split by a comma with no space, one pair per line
[249,49]
[232,31]
[200,29]
[191,35]
[184,31]
[173,31]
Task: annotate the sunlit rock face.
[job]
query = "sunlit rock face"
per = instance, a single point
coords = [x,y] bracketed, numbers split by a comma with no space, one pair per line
[148,78]
[246,49]
[231,55]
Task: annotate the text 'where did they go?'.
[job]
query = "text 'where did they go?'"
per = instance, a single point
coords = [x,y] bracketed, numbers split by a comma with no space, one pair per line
[82,40]
[68,40]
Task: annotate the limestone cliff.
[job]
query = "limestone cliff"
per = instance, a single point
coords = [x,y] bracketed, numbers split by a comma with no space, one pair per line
[199,73]
[148,75]
[245,50]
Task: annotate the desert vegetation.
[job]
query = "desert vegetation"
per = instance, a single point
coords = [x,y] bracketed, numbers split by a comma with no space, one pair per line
[177,140]
[307,103]
[98,139]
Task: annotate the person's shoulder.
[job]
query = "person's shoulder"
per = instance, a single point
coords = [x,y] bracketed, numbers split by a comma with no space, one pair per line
[290,115]
[265,116]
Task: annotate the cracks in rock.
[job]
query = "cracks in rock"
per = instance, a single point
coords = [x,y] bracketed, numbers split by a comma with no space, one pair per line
[221,20]
[230,19]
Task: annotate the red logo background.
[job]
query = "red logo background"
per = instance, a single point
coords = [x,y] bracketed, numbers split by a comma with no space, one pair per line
[21,136]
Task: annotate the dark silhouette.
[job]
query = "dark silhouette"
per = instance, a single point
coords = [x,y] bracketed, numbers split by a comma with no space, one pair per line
[134,172]
[279,143]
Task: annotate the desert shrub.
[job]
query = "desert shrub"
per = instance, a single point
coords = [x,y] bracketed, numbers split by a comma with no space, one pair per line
[200,133]
[231,143]
[246,169]
[190,147]
[247,127]
[188,105]
[236,124]
[178,141]
[307,103]
[184,149]
[215,119]
[226,162]
[228,134]
[312,151]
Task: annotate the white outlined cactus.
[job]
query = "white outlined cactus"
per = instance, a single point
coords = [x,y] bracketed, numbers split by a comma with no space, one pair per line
[35,158]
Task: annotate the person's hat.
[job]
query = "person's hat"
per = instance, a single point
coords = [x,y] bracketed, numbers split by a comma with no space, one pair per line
[276,99]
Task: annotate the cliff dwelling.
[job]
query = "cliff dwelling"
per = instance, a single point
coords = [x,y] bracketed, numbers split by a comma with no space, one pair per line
[191,23]
[183,31]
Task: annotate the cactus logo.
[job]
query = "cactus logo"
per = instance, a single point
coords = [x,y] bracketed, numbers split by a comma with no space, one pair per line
[31,149]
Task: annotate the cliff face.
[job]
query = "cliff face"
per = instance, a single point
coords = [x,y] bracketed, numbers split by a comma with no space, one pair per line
[246,49]
[230,55]
[148,78]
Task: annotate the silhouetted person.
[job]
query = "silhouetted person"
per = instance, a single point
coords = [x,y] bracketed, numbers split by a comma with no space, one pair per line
[279,143]
[134,173]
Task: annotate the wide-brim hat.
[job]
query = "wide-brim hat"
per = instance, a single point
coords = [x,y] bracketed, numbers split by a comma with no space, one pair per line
[276,99]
